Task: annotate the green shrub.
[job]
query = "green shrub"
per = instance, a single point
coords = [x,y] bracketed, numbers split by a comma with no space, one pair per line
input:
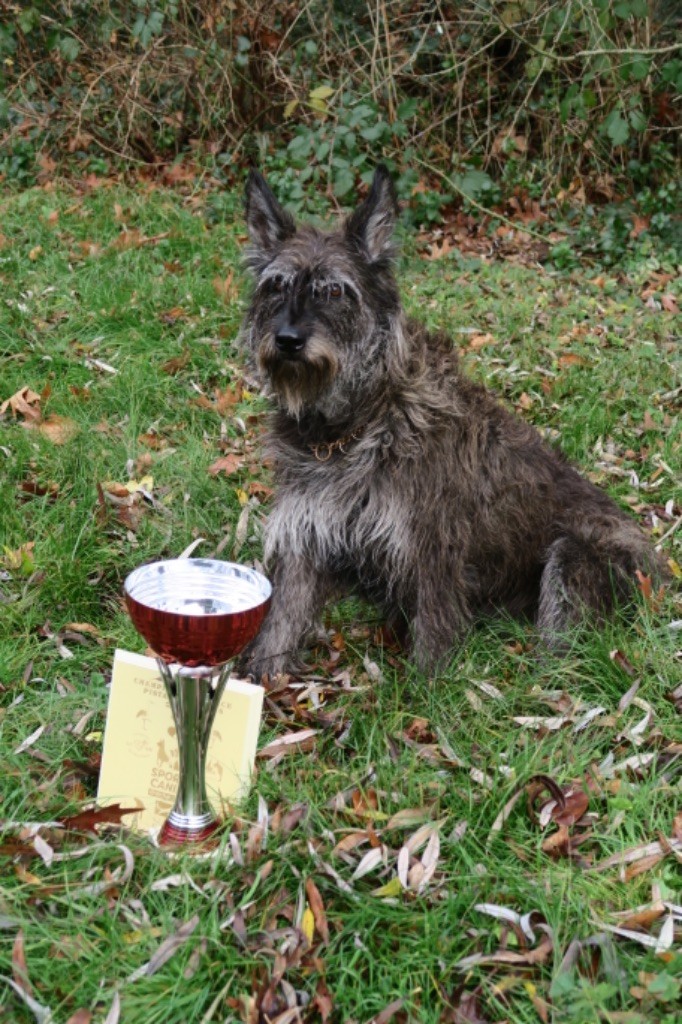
[486,89]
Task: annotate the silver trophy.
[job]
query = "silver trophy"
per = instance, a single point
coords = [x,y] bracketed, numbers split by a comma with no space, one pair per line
[197,615]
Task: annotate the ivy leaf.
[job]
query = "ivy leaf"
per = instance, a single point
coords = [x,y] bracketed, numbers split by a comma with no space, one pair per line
[617,128]
[343,182]
[69,48]
[373,132]
[664,987]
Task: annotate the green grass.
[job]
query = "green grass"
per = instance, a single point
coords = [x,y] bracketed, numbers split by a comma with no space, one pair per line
[581,356]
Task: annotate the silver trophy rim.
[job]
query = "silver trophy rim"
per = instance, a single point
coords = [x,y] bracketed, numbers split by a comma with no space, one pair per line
[185,569]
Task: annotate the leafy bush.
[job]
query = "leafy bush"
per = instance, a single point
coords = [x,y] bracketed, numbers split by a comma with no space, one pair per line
[486,89]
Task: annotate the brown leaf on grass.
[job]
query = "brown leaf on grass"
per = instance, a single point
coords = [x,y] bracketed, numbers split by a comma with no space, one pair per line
[80,1017]
[439,249]
[34,489]
[536,785]
[566,807]
[677,826]
[225,400]
[571,359]
[653,852]
[645,585]
[259,490]
[669,303]
[133,239]
[23,403]
[619,659]
[170,945]
[42,1014]
[291,742]
[157,442]
[463,1007]
[19,559]
[225,287]
[525,929]
[30,740]
[177,363]
[576,802]
[365,802]
[171,316]
[318,911]
[388,1013]
[641,917]
[19,968]
[55,428]
[89,819]
[323,1000]
[227,464]
[86,249]
[477,341]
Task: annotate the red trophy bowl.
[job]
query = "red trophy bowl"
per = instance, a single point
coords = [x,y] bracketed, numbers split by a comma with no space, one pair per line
[197,615]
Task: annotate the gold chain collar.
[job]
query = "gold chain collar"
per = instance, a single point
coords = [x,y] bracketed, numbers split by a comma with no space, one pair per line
[325,449]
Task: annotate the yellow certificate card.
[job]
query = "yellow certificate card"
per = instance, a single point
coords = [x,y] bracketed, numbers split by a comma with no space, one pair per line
[140,753]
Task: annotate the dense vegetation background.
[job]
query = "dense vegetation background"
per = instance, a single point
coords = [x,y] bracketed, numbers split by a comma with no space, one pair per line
[491,101]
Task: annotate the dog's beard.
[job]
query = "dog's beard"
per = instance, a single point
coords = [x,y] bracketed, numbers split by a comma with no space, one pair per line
[300,383]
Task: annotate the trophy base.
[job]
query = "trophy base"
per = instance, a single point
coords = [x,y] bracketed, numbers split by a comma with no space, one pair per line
[189,832]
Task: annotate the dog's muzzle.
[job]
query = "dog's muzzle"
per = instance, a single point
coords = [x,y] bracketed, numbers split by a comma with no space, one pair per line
[290,341]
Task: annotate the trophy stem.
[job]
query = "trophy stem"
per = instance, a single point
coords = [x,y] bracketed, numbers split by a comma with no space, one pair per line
[194,695]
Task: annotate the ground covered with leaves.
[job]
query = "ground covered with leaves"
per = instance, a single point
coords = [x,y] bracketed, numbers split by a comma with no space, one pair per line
[500,843]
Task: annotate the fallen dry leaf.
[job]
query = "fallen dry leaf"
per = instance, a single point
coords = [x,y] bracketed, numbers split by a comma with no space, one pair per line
[463,1007]
[477,341]
[439,249]
[133,239]
[42,1014]
[57,429]
[19,968]
[30,740]
[80,1017]
[177,363]
[571,359]
[388,1013]
[19,559]
[318,911]
[291,742]
[227,464]
[24,403]
[539,954]
[88,819]
[170,945]
[225,287]
[323,1001]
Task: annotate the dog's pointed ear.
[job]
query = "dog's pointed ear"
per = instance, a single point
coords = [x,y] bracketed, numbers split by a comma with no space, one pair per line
[268,223]
[373,223]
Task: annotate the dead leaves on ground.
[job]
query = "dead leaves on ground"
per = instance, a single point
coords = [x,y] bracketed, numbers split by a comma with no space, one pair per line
[26,406]
[127,502]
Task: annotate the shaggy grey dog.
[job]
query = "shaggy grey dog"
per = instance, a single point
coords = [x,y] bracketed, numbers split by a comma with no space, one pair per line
[396,477]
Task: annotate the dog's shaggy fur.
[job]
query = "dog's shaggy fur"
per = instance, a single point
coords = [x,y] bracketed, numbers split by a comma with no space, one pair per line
[396,476]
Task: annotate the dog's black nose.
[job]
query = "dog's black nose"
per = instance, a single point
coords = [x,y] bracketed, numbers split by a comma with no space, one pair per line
[289,340]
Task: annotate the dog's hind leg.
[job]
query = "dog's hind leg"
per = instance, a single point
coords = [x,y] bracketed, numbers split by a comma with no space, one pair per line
[581,580]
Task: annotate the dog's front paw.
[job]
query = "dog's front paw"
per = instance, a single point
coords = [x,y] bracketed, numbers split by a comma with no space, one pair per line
[261,667]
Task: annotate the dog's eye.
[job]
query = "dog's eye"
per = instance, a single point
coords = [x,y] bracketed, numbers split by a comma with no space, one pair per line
[335,291]
[278,284]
